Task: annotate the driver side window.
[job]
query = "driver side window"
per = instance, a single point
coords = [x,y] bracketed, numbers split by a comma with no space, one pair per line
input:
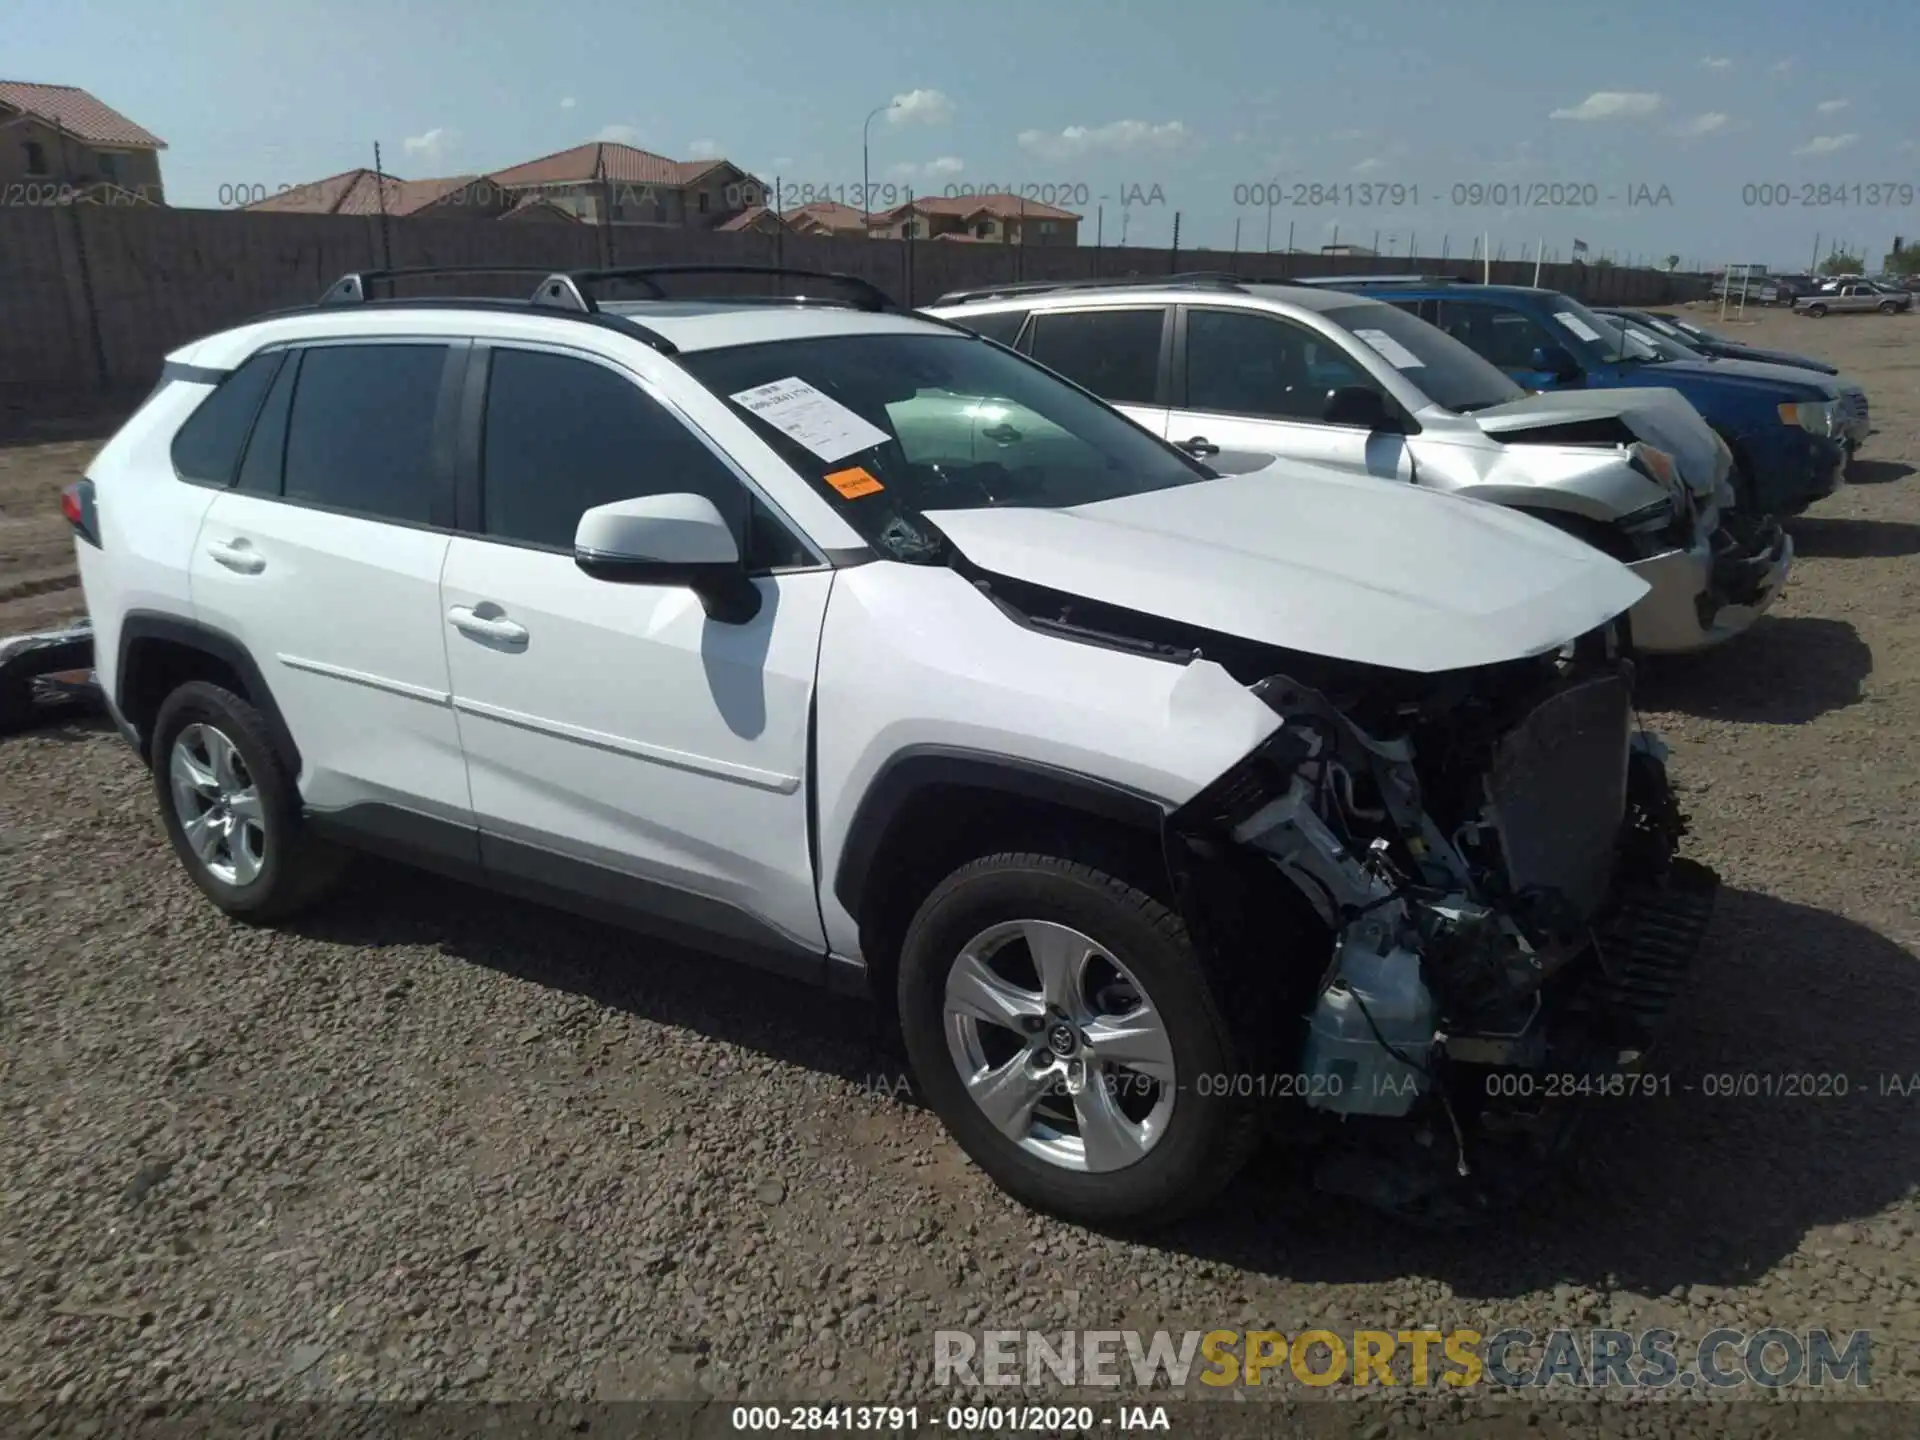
[563,435]
[1241,363]
[1506,337]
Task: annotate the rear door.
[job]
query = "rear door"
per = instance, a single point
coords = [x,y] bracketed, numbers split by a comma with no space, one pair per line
[1249,381]
[324,561]
[1120,353]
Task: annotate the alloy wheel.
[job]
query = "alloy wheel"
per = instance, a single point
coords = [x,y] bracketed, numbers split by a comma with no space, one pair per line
[1059,1045]
[218,804]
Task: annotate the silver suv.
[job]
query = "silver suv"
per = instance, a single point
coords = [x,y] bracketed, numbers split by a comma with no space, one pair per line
[1238,372]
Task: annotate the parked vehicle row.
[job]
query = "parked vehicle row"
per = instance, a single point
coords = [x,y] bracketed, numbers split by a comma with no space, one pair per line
[1852,422]
[1157,797]
[1413,391]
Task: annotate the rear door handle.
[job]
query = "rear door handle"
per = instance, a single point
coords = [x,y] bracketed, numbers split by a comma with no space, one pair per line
[237,555]
[487,627]
[1199,445]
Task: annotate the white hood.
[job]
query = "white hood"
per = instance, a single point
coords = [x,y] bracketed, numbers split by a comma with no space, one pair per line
[1356,569]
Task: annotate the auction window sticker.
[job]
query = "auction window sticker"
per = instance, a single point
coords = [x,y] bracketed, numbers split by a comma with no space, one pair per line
[1395,354]
[811,417]
[1576,325]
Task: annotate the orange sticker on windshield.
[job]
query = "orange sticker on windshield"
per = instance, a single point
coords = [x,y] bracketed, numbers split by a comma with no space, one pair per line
[854,483]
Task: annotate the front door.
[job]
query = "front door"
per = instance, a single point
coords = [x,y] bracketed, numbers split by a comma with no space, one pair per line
[1250,381]
[620,743]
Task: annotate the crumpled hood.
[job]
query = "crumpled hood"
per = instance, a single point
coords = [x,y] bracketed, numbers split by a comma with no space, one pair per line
[1296,556]
[1663,418]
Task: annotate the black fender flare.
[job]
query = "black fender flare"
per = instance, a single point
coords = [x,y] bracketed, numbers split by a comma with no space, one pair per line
[918,768]
[150,625]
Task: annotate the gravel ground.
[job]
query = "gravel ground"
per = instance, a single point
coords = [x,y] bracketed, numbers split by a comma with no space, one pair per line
[427,1142]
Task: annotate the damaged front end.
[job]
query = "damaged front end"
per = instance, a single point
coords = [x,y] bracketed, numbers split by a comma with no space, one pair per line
[1489,913]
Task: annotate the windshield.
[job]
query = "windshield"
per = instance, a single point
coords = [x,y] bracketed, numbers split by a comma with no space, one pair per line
[1631,342]
[1593,338]
[1439,366]
[888,427]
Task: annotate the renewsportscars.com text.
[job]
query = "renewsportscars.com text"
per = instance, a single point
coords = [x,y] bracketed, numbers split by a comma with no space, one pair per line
[1584,1358]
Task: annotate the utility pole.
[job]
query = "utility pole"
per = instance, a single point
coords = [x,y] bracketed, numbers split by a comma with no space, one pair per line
[866,186]
[1173,262]
[380,192]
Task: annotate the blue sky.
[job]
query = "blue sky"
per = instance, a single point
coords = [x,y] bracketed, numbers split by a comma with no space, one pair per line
[1210,101]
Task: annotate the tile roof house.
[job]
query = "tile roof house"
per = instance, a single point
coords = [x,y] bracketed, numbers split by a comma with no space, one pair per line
[631,186]
[58,136]
[825,217]
[995,219]
[758,220]
[362,192]
[620,183]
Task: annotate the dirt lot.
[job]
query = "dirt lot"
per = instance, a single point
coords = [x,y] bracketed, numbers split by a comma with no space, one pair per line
[428,1142]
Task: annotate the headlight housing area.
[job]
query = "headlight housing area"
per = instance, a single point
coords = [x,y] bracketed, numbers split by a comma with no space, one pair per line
[1816,417]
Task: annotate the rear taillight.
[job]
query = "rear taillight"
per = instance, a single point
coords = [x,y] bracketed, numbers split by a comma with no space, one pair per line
[77,504]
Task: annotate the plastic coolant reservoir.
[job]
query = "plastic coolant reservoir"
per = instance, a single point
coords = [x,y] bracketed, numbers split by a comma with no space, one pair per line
[1350,1072]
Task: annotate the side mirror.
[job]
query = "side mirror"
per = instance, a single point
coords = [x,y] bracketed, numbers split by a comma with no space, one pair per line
[1360,406]
[1554,360]
[678,539]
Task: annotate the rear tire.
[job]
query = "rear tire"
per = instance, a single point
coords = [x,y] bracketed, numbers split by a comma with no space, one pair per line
[1151,1147]
[230,807]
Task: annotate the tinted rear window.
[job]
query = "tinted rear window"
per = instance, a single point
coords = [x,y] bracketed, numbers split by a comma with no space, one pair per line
[1113,353]
[207,448]
[1004,326]
[361,434]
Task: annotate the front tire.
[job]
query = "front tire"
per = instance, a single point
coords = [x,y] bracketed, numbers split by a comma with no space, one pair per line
[230,806]
[1062,1026]
[1816,311]
[1889,308]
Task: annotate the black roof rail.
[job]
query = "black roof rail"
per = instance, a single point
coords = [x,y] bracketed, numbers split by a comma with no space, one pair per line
[569,292]
[354,287]
[1336,281]
[565,288]
[1187,280]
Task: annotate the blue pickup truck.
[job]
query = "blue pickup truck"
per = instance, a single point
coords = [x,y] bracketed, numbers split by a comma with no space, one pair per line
[1786,435]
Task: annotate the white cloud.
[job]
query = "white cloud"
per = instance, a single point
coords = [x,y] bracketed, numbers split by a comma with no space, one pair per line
[1827,144]
[944,167]
[1701,125]
[1611,105]
[1345,136]
[1119,137]
[781,162]
[568,102]
[619,134]
[1523,158]
[703,150]
[1832,107]
[1781,67]
[1718,62]
[433,146]
[1372,165]
[920,107]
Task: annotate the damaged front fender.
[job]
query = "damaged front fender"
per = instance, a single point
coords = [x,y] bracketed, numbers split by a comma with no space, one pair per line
[1507,899]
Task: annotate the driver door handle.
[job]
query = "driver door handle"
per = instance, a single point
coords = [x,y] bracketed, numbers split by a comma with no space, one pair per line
[237,555]
[1199,445]
[498,628]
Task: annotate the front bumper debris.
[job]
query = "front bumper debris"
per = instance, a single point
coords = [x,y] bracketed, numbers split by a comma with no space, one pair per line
[1706,595]
[47,673]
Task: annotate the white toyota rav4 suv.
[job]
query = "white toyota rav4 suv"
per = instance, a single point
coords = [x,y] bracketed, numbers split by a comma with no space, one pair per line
[1150,796]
